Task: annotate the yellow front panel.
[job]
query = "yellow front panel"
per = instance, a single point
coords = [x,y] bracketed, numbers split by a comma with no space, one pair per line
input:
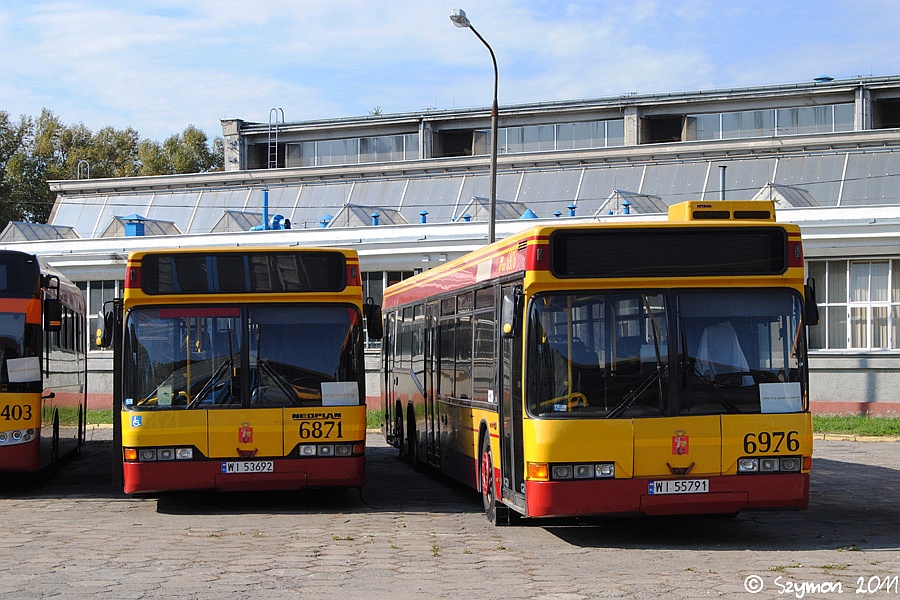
[765,435]
[562,441]
[20,411]
[246,433]
[165,428]
[338,424]
[689,445]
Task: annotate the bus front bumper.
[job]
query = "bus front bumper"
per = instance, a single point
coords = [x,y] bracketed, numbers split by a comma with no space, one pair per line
[287,474]
[728,494]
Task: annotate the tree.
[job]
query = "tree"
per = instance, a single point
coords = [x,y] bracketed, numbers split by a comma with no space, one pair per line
[33,152]
[152,159]
[189,152]
[16,169]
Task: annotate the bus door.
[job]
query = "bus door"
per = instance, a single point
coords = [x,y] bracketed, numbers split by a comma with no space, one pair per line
[510,372]
[432,421]
[392,421]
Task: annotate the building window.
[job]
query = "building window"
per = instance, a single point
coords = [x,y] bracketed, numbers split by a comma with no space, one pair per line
[96,294]
[548,138]
[859,302]
[353,151]
[826,118]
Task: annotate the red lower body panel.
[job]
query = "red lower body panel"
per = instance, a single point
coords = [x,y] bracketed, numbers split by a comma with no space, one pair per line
[21,457]
[727,494]
[288,474]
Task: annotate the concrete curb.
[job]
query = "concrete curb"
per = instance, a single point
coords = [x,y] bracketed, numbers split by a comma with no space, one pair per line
[852,437]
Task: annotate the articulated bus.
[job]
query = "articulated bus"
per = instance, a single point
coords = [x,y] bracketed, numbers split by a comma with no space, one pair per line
[654,368]
[240,369]
[43,369]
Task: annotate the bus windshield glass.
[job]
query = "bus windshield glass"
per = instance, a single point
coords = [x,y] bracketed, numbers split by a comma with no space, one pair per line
[224,357]
[661,353]
[20,351]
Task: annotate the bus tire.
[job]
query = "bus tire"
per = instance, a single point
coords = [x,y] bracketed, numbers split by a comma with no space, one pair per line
[496,512]
[412,439]
[398,432]
[54,446]
[82,429]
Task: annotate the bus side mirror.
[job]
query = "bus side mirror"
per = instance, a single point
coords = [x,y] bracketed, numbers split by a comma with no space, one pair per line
[509,315]
[52,314]
[374,325]
[810,308]
[105,329]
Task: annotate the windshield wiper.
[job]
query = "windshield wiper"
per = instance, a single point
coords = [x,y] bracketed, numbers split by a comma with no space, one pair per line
[213,380]
[633,395]
[691,369]
[283,384]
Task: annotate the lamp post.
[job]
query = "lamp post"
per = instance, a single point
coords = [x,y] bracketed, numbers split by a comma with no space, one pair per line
[458,17]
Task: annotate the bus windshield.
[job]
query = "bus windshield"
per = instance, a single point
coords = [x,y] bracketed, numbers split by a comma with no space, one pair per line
[661,353]
[219,357]
[20,351]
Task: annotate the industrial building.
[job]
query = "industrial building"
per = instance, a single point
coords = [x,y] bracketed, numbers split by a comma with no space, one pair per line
[410,190]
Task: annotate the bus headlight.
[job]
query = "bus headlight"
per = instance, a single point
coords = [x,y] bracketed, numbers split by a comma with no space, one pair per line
[307,450]
[791,464]
[748,465]
[343,449]
[769,464]
[561,472]
[605,470]
[326,450]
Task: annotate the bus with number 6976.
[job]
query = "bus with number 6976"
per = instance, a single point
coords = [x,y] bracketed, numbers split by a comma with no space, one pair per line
[621,367]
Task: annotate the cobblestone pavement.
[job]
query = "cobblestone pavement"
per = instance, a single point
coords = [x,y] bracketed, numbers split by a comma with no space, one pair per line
[70,534]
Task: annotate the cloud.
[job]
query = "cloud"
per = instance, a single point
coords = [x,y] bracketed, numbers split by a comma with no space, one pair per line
[163,64]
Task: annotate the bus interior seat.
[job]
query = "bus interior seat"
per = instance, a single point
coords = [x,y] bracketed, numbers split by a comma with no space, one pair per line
[719,351]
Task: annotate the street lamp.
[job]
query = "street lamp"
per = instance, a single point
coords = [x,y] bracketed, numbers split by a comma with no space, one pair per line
[458,17]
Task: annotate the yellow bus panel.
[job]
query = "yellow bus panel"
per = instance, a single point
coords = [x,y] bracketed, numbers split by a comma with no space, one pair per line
[677,445]
[246,433]
[338,424]
[165,428]
[765,435]
[567,440]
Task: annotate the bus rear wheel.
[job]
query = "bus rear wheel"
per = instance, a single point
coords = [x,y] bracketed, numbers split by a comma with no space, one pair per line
[398,432]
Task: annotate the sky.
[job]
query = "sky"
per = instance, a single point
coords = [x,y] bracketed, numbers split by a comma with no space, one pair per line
[160,65]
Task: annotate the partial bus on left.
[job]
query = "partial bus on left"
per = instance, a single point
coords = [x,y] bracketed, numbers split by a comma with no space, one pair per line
[43,374]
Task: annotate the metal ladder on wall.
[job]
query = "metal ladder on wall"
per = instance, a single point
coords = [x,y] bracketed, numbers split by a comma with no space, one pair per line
[276,118]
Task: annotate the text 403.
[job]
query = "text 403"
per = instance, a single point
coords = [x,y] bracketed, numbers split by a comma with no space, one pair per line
[16,412]
[771,441]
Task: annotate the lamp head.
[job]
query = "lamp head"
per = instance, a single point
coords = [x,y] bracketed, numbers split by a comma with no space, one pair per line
[458,16]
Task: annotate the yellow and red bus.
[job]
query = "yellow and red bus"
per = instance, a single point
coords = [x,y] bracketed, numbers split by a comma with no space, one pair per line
[625,367]
[240,369]
[43,370]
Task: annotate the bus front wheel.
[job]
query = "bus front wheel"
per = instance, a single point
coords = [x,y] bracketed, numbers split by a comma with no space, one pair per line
[496,512]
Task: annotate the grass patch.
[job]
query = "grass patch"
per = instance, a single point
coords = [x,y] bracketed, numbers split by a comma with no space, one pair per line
[373,419]
[856,424]
[68,416]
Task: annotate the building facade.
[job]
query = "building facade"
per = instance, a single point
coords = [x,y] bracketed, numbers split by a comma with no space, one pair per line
[409,191]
